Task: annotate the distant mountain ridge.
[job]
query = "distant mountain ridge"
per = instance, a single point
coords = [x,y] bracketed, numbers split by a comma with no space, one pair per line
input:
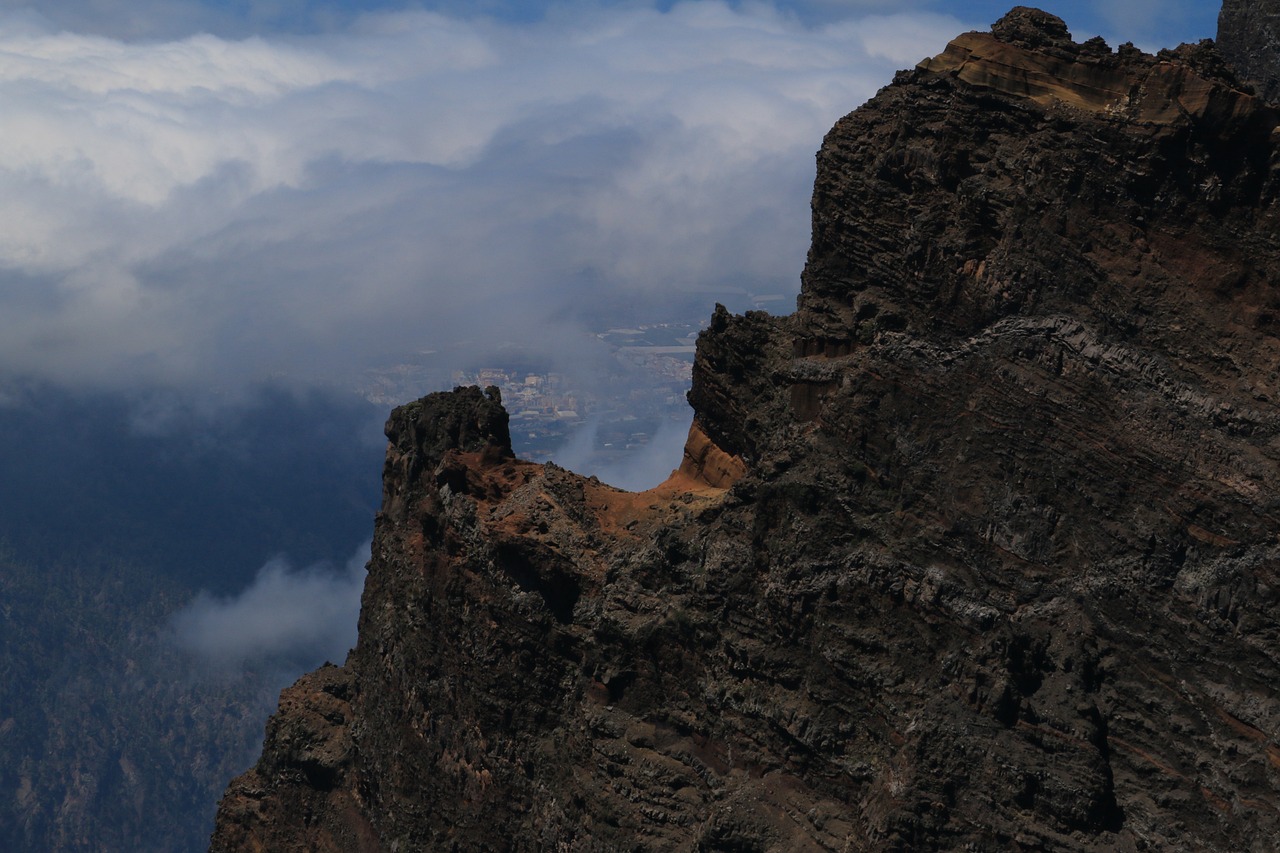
[978,549]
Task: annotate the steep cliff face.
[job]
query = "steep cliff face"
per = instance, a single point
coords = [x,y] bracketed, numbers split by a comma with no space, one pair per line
[979,549]
[1249,37]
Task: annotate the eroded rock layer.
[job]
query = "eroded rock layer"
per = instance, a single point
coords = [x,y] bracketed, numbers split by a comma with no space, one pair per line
[979,549]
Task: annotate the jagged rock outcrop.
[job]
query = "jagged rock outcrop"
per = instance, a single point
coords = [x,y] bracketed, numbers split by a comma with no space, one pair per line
[1249,38]
[979,549]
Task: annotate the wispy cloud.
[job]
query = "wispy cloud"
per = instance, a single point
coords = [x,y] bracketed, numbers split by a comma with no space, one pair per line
[636,470]
[206,209]
[286,616]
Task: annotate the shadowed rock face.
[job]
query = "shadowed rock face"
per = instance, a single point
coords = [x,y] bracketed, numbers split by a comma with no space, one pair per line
[976,550]
[1249,38]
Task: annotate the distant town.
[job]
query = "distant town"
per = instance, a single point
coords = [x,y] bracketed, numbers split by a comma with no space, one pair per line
[645,388]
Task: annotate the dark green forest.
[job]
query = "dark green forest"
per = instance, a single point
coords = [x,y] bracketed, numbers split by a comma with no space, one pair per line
[114,513]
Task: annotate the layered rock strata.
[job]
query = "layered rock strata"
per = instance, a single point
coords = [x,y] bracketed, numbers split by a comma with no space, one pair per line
[979,549]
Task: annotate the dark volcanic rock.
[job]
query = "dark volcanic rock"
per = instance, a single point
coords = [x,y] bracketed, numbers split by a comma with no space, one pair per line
[1249,38]
[976,550]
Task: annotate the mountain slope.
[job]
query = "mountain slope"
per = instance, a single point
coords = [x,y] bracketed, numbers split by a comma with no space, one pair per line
[976,550]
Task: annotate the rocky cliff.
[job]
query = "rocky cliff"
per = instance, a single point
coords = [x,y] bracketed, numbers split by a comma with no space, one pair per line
[979,549]
[1249,36]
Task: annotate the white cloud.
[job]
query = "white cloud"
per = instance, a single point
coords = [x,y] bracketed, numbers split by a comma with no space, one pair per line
[213,210]
[285,616]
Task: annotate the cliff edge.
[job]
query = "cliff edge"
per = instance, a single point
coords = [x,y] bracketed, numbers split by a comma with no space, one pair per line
[979,549]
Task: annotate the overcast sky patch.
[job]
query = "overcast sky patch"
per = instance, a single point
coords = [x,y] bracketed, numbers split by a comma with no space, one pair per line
[207,210]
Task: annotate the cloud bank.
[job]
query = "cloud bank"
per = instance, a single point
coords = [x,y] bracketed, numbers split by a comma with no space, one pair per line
[286,616]
[208,210]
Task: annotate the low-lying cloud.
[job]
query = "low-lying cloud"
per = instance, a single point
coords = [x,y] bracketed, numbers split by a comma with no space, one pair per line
[215,211]
[286,616]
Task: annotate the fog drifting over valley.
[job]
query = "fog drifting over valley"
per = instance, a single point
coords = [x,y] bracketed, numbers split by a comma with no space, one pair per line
[212,210]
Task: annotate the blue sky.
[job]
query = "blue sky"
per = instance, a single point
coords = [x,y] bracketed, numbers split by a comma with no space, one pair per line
[1149,22]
